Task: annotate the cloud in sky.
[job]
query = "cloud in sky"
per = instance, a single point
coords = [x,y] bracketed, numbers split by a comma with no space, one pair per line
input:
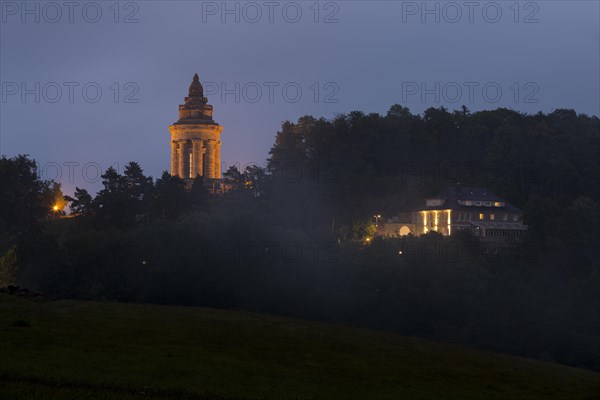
[98,85]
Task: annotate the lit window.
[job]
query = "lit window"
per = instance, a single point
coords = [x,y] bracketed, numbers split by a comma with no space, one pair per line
[480,215]
[492,217]
[498,204]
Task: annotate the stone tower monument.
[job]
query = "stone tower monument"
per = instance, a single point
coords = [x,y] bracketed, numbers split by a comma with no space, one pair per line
[196,138]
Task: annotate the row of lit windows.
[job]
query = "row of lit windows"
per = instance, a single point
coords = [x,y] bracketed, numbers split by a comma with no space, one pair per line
[478,203]
[466,216]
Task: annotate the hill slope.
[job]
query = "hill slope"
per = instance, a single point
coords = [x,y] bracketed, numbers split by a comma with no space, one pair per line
[67,350]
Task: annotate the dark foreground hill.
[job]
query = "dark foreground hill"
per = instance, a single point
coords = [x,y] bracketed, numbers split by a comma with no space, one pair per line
[84,350]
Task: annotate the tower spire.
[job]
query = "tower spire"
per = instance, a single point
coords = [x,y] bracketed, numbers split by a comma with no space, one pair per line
[196,89]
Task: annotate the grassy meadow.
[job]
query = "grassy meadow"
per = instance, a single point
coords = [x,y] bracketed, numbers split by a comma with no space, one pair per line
[63,350]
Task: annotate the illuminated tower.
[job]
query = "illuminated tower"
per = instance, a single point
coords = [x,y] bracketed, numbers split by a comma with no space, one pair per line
[196,138]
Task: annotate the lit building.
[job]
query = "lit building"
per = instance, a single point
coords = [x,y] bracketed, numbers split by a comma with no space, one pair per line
[478,210]
[196,138]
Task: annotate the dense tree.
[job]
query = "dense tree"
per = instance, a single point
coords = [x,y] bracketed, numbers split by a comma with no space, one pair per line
[81,203]
[25,203]
[113,203]
[386,163]
[139,188]
[24,199]
[9,267]
[291,238]
[59,199]
[138,185]
[233,177]
[198,195]
[170,199]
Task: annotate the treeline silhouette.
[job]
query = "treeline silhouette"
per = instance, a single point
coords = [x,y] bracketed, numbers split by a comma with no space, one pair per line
[290,236]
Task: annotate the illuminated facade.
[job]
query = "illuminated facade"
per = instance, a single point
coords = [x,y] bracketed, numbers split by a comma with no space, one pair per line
[461,208]
[196,138]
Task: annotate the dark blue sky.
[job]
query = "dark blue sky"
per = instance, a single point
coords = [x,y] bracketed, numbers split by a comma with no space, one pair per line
[541,56]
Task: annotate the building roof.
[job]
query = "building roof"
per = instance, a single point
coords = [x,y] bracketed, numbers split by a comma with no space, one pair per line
[454,198]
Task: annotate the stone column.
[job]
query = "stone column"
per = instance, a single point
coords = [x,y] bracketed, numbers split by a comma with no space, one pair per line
[192,160]
[210,159]
[174,158]
[203,160]
[197,158]
[218,159]
[184,160]
[187,161]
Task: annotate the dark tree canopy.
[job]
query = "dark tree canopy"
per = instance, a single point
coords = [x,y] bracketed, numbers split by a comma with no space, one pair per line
[286,238]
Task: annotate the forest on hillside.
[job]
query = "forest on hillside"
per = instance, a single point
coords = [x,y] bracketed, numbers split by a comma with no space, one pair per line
[289,238]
